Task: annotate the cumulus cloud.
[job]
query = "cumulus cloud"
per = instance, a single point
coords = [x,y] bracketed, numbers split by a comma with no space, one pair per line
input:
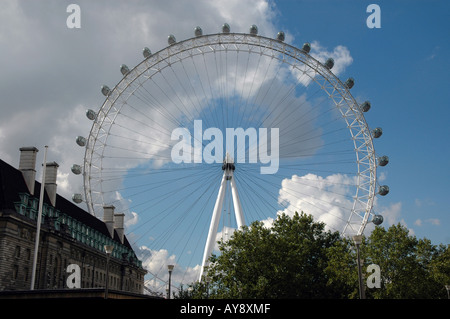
[224,235]
[133,220]
[328,199]
[340,54]
[392,214]
[156,261]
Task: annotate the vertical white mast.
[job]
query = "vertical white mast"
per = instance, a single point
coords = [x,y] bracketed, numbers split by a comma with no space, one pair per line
[228,168]
[38,225]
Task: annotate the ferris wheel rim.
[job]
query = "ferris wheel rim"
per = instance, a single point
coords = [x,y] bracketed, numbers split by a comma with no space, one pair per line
[353,115]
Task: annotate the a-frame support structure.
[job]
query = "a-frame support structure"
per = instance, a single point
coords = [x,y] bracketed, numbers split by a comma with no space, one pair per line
[228,168]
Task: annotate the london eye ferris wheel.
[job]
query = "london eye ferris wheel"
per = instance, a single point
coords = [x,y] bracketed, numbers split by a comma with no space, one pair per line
[155,151]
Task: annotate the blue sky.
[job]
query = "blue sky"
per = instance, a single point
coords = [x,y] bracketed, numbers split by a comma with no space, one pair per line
[402,68]
[52,74]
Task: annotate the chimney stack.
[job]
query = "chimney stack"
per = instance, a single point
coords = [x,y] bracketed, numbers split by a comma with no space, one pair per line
[50,181]
[108,218]
[118,225]
[27,165]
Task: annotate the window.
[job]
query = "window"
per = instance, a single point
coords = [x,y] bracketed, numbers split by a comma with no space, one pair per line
[17,252]
[23,198]
[15,272]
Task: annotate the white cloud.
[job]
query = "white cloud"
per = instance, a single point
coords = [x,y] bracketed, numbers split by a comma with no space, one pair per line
[424,202]
[133,220]
[340,54]
[392,214]
[382,176]
[62,180]
[156,262]
[224,235]
[433,221]
[327,199]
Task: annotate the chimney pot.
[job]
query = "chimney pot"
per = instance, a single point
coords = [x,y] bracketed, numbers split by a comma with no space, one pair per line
[50,181]
[119,226]
[108,218]
[27,165]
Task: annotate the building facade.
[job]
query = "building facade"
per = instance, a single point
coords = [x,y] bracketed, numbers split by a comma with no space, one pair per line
[68,235]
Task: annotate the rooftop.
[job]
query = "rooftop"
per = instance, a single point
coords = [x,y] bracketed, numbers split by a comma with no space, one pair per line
[13,189]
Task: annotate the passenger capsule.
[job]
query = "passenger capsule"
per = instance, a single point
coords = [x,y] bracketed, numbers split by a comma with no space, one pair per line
[253,30]
[329,63]
[377,219]
[226,28]
[171,39]
[365,106]
[198,31]
[349,83]
[383,160]
[124,69]
[81,141]
[90,114]
[281,36]
[146,52]
[383,190]
[377,132]
[76,169]
[77,198]
[306,47]
[106,90]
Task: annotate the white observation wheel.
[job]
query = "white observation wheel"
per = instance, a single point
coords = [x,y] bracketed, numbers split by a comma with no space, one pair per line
[327,162]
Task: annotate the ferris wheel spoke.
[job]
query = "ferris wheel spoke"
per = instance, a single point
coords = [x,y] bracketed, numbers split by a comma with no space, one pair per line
[304,184]
[181,189]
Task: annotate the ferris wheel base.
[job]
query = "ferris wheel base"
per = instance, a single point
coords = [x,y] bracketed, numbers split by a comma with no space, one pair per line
[227,177]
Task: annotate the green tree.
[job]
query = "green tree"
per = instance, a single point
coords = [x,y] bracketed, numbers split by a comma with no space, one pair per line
[410,267]
[283,261]
[439,268]
[297,258]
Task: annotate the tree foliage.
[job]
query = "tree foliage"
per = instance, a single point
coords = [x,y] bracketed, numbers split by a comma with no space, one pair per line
[297,258]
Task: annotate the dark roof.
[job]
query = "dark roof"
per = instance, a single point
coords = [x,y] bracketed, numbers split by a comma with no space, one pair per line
[12,184]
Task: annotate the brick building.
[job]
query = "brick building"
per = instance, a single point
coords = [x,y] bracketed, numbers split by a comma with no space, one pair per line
[69,235]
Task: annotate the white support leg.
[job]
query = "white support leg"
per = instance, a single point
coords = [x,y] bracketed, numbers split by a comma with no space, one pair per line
[237,204]
[212,234]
